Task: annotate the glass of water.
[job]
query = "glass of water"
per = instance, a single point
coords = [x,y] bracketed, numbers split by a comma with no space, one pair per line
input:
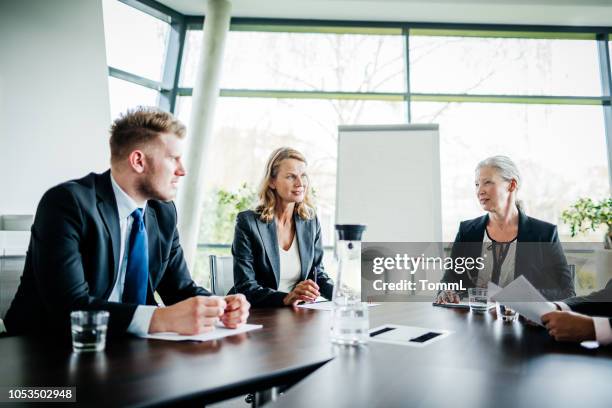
[89,330]
[478,299]
[507,314]
[350,324]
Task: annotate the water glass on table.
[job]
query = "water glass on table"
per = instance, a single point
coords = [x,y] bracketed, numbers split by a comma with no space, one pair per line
[507,314]
[350,323]
[478,299]
[89,330]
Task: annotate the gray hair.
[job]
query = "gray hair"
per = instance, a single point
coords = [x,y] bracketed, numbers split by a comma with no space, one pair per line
[506,169]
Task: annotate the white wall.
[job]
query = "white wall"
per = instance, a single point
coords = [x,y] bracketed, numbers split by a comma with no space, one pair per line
[54,104]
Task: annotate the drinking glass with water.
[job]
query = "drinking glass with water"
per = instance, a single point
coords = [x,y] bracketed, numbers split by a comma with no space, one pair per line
[351,323]
[507,314]
[478,300]
[89,330]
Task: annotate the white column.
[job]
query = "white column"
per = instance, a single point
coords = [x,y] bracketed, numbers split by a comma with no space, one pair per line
[205,95]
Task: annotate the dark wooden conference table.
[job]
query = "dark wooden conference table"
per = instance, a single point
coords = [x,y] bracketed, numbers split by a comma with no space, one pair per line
[484,363]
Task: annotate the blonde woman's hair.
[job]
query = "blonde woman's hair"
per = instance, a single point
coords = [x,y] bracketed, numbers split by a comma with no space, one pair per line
[267,196]
[506,169]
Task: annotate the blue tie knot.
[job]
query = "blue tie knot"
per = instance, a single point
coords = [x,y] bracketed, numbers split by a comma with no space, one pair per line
[137,214]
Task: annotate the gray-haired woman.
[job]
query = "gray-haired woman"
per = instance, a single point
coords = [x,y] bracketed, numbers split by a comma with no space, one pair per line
[510,242]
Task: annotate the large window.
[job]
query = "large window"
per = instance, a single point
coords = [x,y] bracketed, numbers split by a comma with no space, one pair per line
[307,62]
[534,96]
[558,144]
[125,95]
[559,149]
[506,66]
[136,44]
[135,41]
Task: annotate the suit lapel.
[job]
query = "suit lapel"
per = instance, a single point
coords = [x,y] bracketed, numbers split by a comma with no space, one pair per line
[303,234]
[267,231]
[476,234]
[154,247]
[522,246]
[107,208]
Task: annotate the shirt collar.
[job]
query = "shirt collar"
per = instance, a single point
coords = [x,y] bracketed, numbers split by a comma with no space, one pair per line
[125,204]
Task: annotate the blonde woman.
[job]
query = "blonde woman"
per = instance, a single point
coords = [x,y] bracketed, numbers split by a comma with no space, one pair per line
[510,242]
[277,247]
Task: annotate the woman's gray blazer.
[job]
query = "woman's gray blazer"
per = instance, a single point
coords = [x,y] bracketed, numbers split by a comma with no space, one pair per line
[257,259]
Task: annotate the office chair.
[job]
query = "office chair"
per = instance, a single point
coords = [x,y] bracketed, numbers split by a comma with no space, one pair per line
[221,274]
[11,268]
[14,237]
[572,269]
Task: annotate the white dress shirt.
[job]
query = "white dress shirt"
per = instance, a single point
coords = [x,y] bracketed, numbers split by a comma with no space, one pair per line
[290,267]
[603,330]
[125,207]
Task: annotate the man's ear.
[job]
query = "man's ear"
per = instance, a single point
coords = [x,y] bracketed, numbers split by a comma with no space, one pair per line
[136,159]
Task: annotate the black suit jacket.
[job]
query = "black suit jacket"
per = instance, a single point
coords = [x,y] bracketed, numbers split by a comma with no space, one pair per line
[598,303]
[73,257]
[539,255]
[257,260]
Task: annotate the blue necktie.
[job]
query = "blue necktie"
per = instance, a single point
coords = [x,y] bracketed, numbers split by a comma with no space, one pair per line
[137,271]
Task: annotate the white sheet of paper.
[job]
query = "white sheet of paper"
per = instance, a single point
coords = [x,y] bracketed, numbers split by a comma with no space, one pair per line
[402,335]
[325,305]
[521,296]
[218,333]
[493,289]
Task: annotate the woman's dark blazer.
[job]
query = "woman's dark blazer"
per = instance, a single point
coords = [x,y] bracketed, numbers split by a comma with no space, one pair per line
[257,259]
[539,255]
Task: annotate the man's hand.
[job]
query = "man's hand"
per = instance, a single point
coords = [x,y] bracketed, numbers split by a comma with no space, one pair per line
[447,296]
[569,326]
[305,291]
[195,315]
[236,311]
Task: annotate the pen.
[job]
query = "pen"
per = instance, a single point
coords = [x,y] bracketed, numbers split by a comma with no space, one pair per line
[314,278]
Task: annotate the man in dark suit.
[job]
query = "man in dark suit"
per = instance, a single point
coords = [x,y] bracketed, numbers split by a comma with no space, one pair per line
[109,242]
[583,318]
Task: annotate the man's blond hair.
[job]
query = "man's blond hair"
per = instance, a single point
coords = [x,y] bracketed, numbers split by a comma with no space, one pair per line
[139,127]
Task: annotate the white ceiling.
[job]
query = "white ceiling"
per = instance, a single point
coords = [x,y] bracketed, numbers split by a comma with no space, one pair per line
[539,12]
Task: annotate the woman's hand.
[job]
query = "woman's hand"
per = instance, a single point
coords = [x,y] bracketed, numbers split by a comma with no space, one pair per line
[305,291]
[447,296]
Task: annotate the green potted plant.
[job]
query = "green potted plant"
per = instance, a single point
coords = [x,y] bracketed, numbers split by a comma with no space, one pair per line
[586,214]
[225,207]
